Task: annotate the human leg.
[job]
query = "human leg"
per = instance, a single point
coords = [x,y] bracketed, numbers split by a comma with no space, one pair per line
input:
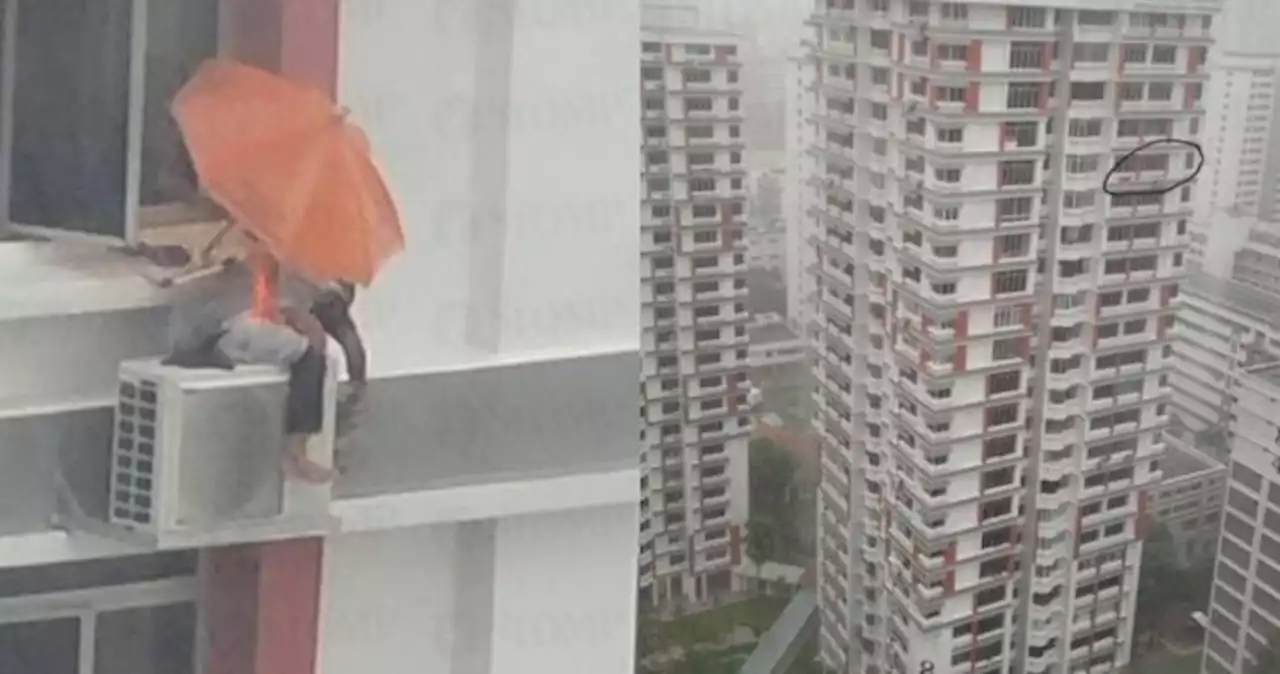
[304,413]
[251,341]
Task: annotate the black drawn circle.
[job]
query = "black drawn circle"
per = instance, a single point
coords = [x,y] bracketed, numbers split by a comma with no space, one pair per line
[1106,181]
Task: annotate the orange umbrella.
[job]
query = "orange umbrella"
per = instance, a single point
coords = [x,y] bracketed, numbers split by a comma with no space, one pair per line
[289,167]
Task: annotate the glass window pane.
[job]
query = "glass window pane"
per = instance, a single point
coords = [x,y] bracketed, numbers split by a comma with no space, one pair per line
[68,165]
[152,640]
[181,34]
[49,647]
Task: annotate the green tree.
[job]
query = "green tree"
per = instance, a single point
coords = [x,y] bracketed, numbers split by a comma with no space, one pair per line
[1197,583]
[772,474]
[696,641]
[650,637]
[762,541]
[1158,582]
[773,494]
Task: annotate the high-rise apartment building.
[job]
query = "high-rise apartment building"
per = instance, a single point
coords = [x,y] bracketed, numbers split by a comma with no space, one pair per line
[694,315]
[796,198]
[1257,260]
[994,327]
[1242,156]
[1222,327]
[1244,613]
[1240,186]
[145,525]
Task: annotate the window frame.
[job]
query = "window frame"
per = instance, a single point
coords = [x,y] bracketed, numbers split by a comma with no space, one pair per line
[134,130]
[88,605]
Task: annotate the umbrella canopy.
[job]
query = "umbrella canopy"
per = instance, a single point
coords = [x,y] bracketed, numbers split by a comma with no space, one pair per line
[290,168]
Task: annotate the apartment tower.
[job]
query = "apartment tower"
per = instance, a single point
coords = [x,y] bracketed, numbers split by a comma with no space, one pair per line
[696,422]
[994,328]
[1244,613]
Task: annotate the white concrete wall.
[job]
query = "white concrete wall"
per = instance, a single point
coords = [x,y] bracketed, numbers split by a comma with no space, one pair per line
[489,112]
[796,197]
[565,592]
[387,601]
[534,594]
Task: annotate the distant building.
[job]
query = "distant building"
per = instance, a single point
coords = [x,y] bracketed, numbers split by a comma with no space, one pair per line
[1244,614]
[1221,327]
[773,343]
[797,221]
[695,382]
[1189,499]
[1257,262]
[994,331]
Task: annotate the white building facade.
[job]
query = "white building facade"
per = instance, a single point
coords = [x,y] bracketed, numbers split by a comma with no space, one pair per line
[1244,613]
[1240,105]
[979,511]
[694,315]
[1222,327]
[1240,183]
[797,195]
[444,540]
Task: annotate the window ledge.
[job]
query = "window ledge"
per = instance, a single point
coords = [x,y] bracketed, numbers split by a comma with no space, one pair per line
[55,278]
[40,278]
[429,506]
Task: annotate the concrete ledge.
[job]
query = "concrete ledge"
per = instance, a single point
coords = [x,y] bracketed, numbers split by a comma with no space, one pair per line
[519,421]
[492,500]
[442,506]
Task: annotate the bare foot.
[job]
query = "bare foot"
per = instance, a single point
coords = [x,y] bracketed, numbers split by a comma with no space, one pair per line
[298,466]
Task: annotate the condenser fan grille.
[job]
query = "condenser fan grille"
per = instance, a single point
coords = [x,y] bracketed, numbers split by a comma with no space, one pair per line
[133,467]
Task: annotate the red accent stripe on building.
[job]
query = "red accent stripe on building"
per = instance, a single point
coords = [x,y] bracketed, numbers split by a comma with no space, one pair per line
[1143,524]
[961,360]
[972,95]
[962,323]
[230,607]
[309,42]
[298,38]
[975,56]
[289,606]
[262,602]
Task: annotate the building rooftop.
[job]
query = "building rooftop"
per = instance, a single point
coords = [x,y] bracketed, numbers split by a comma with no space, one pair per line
[770,332]
[1257,304]
[1178,461]
[678,20]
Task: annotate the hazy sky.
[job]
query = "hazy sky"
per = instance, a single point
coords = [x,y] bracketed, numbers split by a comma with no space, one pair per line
[1249,26]
[775,23]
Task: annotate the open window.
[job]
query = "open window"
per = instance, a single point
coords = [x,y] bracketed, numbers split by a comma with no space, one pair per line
[87,143]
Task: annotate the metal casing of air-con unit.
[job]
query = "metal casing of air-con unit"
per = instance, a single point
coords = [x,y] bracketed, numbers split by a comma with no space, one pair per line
[195,457]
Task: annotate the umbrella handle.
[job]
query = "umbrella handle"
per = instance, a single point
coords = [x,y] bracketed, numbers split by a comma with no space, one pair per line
[207,251]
